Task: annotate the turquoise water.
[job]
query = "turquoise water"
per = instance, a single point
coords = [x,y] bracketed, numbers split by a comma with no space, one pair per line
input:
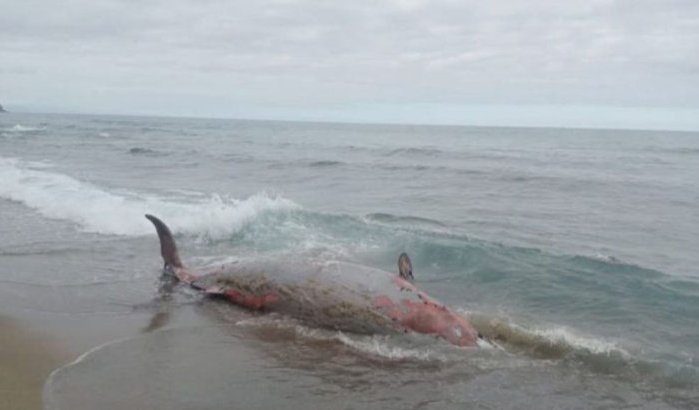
[573,250]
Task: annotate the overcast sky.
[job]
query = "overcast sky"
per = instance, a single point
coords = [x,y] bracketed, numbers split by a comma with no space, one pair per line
[598,63]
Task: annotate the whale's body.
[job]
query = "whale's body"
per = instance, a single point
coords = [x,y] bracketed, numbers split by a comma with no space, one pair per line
[331,294]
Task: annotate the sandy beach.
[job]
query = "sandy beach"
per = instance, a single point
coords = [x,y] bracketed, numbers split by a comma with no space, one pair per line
[33,344]
[26,359]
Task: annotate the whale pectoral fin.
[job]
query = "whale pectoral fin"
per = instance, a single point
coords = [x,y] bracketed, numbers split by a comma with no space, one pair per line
[405,267]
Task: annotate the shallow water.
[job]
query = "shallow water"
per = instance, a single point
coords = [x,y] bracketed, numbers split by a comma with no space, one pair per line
[573,250]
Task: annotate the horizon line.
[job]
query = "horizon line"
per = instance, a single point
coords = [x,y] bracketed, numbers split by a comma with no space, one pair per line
[352,122]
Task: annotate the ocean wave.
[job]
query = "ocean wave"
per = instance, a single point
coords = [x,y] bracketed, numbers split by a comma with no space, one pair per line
[554,342]
[384,347]
[146,152]
[599,355]
[424,151]
[325,163]
[97,210]
[502,333]
[607,258]
[400,219]
[23,128]
[397,167]
[674,150]
[407,166]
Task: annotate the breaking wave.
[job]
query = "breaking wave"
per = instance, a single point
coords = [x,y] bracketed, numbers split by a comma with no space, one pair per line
[597,354]
[95,209]
[24,128]
[545,342]
[385,347]
[401,219]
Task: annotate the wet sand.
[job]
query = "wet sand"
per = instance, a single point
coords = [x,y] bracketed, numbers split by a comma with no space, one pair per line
[27,357]
[34,344]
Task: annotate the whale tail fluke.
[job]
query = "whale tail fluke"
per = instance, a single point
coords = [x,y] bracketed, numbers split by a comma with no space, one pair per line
[168,249]
[405,267]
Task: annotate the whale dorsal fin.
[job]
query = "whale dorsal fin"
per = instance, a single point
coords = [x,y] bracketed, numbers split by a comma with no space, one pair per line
[167,243]
[405,267]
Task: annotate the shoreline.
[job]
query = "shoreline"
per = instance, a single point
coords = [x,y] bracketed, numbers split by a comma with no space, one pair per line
[27,357]
[34,344]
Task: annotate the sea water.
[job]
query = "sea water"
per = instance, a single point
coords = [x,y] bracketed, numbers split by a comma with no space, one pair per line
[573,251]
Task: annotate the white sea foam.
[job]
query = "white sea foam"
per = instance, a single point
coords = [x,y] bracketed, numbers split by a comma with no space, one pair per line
[553,335]
[578,341]
[48,390]
[23,128]
[379,346]
[95,209]
[607,258]
[382,346]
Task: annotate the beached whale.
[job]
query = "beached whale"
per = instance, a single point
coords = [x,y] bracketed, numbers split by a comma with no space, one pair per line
[330,294]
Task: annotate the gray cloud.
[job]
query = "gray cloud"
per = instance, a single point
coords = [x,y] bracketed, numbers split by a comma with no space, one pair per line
[247,58]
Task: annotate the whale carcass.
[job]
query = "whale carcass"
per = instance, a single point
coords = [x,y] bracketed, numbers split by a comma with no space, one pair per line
[331,294]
